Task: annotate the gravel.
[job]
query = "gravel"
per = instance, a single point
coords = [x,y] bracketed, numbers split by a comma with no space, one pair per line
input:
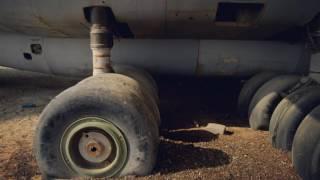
[185,152]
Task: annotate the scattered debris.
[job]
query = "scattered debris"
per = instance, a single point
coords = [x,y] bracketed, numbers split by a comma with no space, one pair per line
[215,128]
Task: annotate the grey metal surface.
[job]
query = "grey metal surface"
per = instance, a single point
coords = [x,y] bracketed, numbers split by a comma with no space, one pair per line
[63,56]
[243,57]
[315,63]
[155,18]
[158,56]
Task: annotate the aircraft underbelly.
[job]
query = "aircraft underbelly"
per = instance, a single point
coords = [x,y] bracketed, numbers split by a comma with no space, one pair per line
[222,19]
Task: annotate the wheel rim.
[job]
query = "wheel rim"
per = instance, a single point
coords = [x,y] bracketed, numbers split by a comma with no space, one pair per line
[94,147]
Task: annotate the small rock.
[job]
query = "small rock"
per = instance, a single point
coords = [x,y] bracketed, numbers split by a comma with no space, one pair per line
[215,128]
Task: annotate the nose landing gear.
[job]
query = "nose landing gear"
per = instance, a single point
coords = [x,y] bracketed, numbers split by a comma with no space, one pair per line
[106,125]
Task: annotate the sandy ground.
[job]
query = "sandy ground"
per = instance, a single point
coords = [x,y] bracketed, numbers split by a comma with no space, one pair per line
[183,154]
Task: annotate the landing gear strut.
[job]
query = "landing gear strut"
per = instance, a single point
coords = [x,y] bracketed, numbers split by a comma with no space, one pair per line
[101,41]
[106,125]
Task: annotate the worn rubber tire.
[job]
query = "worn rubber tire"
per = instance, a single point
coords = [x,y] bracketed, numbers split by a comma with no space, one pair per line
[109,96]
[143,77]
[249,89]
[267,98]
[306,147]
[289,114]
[147,83]
[279,111]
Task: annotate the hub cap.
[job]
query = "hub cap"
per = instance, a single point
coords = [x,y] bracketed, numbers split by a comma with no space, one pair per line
[94,147]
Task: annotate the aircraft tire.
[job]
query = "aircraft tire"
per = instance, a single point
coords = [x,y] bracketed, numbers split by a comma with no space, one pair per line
[289,114]
[249,89]
[102,127]
[267,98]
[143,77]
[306,146]
[148,84]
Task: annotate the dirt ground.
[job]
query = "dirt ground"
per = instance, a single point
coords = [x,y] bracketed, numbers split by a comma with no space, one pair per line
[183,154]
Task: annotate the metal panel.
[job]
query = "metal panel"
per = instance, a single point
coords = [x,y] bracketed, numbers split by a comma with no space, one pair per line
[64,56]
[315,67]
[185,17]
[315,63]
[228,58]
[153,18]
[68,56]
[13,49]
[158,56]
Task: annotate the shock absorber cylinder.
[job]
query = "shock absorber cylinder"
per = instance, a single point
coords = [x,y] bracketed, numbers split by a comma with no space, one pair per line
[101,40]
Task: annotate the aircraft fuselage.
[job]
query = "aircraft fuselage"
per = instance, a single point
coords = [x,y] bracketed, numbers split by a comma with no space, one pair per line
[206,19]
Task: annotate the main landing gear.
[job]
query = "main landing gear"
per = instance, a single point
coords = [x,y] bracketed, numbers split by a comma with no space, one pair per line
[106,125]
[289,107]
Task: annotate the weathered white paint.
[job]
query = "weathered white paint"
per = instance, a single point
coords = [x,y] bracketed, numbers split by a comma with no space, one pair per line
[153,18]
[64,56]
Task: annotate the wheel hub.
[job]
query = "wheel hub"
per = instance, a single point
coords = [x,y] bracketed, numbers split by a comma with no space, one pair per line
[94,147]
